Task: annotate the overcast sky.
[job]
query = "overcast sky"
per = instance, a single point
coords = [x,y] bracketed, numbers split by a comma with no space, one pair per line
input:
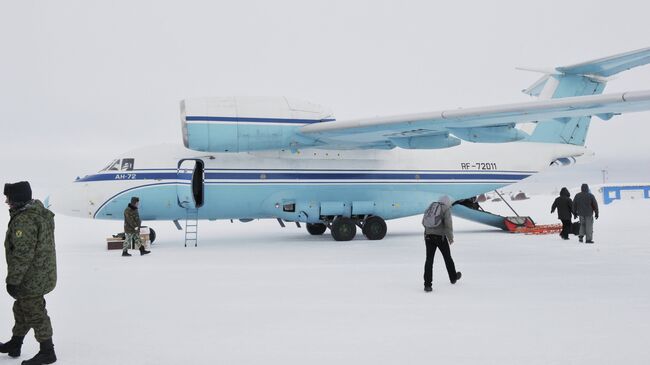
[82,81]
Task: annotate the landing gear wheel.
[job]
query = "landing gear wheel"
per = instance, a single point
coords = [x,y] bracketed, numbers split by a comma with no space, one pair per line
[316,229]
[152,235]
[343,229]
[374,228]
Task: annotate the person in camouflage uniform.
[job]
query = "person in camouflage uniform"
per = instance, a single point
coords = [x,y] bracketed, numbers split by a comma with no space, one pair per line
[31,270]
[132,224]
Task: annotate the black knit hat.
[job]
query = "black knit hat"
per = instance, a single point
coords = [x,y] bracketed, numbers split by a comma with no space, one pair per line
[134,199]
[19,192]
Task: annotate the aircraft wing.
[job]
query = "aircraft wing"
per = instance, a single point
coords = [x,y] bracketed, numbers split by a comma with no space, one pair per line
[491,124]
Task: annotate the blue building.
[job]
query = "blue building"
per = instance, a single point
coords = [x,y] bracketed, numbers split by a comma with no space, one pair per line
[625,191]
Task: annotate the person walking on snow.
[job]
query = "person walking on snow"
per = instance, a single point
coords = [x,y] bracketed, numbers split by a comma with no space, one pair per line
[31,271]
[584,207]
[132,224]
[564,206]
[438,234]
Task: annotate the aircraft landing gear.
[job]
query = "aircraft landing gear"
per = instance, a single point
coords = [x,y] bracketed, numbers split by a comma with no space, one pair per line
[316,229]
[374,228]
[343,229]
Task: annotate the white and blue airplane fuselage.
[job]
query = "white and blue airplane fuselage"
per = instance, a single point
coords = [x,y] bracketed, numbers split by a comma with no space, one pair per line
[387,183]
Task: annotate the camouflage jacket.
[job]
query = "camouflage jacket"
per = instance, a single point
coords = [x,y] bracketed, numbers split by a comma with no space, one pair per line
[30,250]
[131,220]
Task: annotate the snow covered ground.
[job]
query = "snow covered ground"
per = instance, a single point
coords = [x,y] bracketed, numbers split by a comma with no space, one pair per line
[254,293]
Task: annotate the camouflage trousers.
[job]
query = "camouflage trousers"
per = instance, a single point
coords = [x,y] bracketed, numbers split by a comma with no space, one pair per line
[31,313]
[132,239]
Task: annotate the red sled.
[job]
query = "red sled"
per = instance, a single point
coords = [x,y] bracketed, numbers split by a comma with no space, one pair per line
[515,224]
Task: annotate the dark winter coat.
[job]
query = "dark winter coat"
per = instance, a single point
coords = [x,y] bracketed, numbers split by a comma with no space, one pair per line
[132,220]
[584,203]
[30,250]
[564,205]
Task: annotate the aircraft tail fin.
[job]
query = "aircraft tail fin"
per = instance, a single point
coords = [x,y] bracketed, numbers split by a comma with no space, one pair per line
[586,78]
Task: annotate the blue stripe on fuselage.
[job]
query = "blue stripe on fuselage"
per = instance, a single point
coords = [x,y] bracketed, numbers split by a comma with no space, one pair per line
[266,176]
[132,175]
[357,176]
[355,170]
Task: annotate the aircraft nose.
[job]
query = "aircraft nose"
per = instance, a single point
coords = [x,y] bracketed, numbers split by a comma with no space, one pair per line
[71,201]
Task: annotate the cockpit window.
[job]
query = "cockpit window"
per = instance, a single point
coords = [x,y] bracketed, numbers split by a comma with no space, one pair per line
[125,164]
[113,166]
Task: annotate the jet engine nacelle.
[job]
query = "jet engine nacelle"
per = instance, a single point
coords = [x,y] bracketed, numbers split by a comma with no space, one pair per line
[240,124]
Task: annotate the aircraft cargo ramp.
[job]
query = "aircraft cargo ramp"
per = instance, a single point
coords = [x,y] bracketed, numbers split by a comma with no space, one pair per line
[479,216]
[469,209]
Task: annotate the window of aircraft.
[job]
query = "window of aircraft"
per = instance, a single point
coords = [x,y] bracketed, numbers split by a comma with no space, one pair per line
[125,164]
[112,166]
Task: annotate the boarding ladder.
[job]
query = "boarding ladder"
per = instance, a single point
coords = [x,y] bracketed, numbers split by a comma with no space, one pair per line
[192,226]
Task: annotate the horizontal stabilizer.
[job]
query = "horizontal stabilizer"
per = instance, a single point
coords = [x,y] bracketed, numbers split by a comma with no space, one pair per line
[609,66]
[586,78]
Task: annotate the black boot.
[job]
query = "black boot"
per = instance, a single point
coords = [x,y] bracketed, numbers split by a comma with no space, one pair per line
[458,276]
[143,251]
[45,356]
[126,253]
[13,346]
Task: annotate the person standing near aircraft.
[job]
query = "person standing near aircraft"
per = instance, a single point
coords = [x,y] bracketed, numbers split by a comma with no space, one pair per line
[132,224]
[438,234]
[584,206]
[564,206]
[31,271]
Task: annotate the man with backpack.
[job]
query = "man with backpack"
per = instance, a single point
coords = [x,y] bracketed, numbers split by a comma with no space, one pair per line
[439,234]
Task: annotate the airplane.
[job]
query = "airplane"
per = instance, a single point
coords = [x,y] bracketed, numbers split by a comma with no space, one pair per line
[280,158]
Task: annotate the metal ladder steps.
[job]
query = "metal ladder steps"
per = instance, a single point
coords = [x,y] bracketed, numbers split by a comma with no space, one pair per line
[192,227]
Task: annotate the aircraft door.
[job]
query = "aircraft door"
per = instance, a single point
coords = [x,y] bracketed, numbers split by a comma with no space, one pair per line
[191,180]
